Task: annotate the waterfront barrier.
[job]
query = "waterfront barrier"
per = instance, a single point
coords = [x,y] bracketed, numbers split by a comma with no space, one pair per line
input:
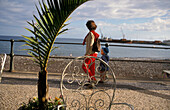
[11,54]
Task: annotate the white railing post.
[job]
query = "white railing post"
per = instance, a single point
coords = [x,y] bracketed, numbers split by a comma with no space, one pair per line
[2,65]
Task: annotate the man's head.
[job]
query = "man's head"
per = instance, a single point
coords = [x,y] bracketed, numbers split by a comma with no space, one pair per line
[91,25]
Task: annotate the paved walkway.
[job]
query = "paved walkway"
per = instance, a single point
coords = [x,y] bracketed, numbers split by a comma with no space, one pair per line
[18,87]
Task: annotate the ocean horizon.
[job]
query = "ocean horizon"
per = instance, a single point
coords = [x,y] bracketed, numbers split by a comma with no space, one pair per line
[79,50]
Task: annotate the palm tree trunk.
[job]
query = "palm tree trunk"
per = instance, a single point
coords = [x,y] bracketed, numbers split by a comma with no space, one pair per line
[43,90]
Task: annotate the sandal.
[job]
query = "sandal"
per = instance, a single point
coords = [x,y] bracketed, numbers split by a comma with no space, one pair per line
[101,81]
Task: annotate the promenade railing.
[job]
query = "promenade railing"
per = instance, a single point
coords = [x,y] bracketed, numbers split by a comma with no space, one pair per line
[12,42]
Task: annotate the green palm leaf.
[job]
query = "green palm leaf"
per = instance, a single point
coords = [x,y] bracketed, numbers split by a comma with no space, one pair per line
[50,23]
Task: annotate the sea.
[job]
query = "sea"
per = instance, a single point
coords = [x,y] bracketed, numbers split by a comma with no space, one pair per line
[79,50]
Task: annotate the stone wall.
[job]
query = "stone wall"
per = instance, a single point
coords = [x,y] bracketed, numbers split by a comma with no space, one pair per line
[122,67]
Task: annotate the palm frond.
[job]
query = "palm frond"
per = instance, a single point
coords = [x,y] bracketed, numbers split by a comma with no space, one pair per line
[50,24]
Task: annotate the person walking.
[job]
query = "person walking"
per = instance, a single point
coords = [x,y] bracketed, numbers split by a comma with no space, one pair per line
[103,68]
[90,39]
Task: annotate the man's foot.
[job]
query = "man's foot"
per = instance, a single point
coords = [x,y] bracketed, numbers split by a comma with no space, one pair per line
[94,81]
[92,85]
[101,81]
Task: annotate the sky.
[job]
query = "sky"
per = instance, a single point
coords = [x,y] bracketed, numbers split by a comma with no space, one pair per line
[139,19]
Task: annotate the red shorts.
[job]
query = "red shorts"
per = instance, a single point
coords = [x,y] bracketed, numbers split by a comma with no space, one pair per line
[90,66]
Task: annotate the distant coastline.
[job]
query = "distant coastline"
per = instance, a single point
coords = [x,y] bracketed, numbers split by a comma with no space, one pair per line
[156,42]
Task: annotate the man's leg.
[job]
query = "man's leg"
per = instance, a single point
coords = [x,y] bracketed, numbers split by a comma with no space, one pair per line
[92,67]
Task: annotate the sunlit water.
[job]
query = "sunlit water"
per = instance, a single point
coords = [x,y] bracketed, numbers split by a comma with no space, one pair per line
[79,50]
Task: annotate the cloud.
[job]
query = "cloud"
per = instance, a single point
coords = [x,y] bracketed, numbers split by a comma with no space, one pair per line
[122,9]
[110,15]
[15,12]
[157,24]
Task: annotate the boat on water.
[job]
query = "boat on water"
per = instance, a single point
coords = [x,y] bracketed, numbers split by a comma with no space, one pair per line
[166,42]
[124,40]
